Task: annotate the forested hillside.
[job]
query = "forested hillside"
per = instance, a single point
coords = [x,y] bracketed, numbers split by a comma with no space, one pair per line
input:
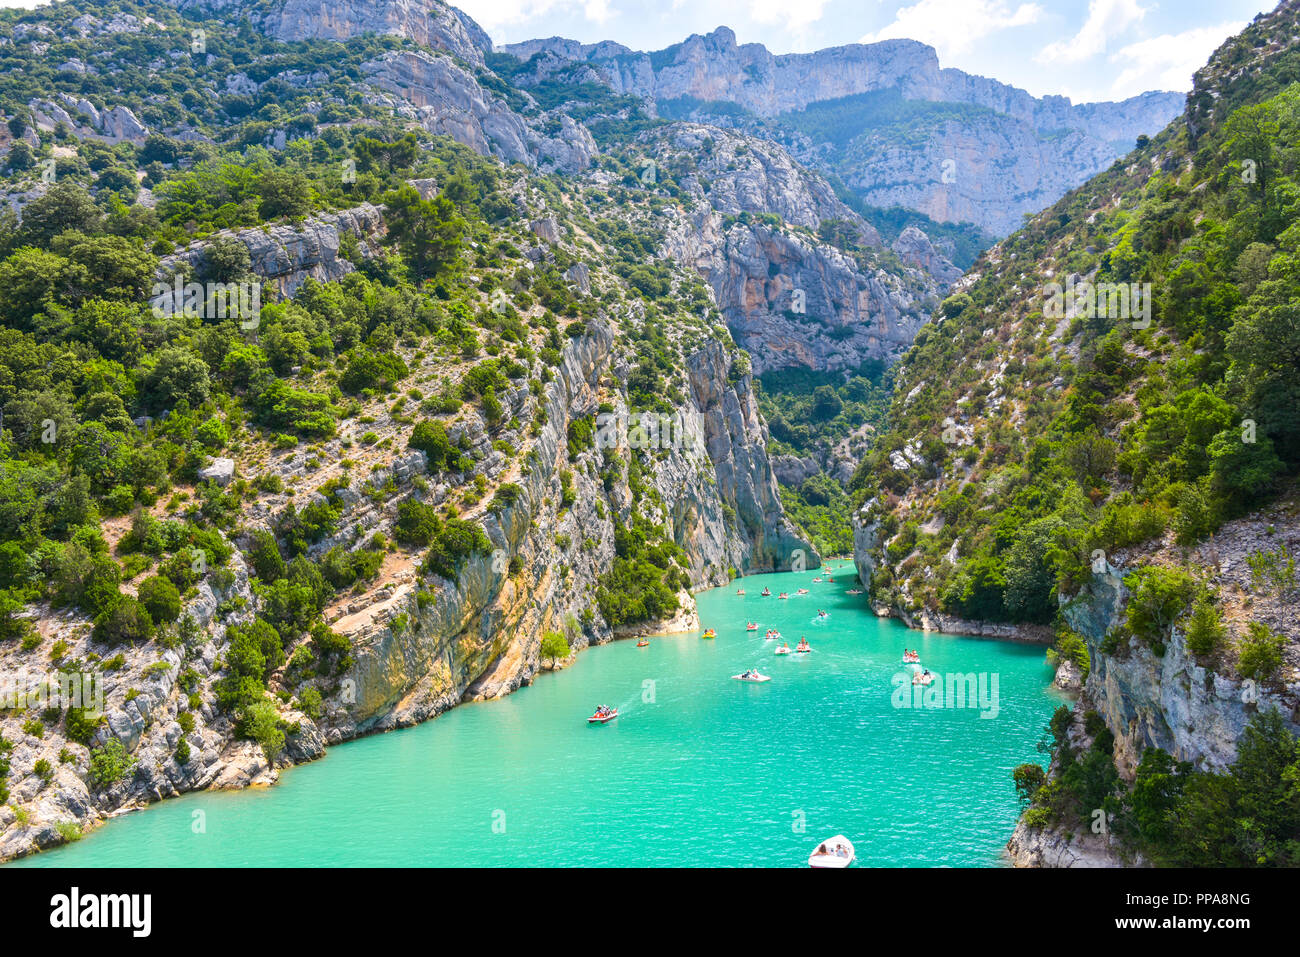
[1099,432]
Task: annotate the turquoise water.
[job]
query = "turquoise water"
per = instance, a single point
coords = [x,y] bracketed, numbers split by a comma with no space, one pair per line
[697,770]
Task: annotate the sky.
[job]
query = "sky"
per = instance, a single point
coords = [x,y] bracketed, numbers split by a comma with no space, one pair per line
[1088,50]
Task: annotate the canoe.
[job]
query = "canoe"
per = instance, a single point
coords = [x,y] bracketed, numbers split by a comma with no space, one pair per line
[831,859]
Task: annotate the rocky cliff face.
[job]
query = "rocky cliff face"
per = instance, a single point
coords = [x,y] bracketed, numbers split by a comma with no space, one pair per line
[420,644]
[445,98]
[1000,153]
[286,256]
[789,297]
[426,22]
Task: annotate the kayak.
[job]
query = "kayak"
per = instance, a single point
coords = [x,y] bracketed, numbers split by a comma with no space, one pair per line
[831,859]
[601,719]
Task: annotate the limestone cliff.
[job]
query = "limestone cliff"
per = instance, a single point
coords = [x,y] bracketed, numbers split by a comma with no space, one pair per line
[1008,153]
[420,643]
[790,296]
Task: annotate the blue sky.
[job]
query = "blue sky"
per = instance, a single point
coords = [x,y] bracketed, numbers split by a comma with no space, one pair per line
[1085,49]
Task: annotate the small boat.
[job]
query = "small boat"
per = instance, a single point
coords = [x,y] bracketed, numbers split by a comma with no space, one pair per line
[802,591]
[802,648]
[854,591]
[767,592]
[643,643]
[709,634]
[836,853]
[783,649]
[751,626]
[783,595]
[740,591]
[911,658]
[823,616]
[772,635]
[603,715]
[751,676]
[924,679]
[815,580]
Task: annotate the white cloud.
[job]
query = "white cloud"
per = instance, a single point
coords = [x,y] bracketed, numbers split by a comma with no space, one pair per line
[792,14]
[1106,19]
[1167,62]
[493,14]
[953,26]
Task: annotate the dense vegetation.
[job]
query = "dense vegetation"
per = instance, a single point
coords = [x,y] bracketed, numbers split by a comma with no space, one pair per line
[811,415]
[1173,814]
[112,404]
[1042,439]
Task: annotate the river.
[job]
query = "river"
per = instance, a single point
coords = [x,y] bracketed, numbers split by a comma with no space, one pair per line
[698,769]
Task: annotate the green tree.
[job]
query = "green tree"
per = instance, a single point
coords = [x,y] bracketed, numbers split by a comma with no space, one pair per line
[1259,655]
[161,599]
[109,764]
[554,646]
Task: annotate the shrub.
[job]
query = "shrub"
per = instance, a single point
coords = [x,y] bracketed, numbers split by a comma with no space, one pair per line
[161,599]
[109,764]
[1028,779]
[430,437]
[1259,655]
[455,542]
[126,620]
[1159,597]
[417,523]
[1205,629]
[259,722]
